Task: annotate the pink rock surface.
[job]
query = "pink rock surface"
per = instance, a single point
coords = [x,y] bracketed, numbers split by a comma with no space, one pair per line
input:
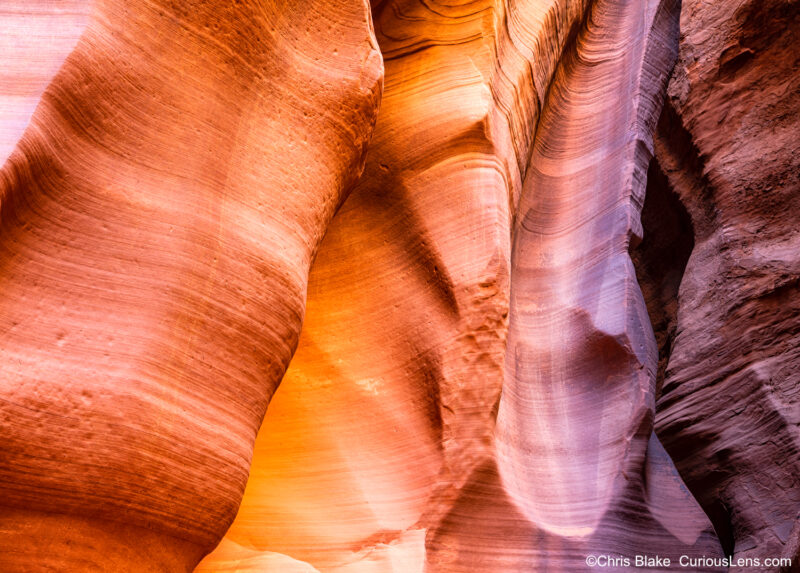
[37,36]
[576,450]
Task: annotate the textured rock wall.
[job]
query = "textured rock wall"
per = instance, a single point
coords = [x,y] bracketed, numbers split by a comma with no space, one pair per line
[157,228]
[475,384]
[729,145]
[409,300]
[36,38]
[577,452]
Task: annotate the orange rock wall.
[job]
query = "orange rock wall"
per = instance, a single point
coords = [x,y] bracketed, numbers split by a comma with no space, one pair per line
[158,226]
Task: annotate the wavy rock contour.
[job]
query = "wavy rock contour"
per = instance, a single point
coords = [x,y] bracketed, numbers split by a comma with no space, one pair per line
[409,299]
[156,228]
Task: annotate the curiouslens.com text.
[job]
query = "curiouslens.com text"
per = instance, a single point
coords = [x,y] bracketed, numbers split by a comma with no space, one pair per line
[684,561]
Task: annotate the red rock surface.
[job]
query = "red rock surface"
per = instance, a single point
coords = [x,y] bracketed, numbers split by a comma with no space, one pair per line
[729,145]
[409,301]
[474,370]
[158,221]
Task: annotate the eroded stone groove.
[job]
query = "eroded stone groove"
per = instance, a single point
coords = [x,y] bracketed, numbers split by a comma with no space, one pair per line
[660,260]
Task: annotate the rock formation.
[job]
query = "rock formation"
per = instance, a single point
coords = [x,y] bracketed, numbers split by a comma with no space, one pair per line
[441,212]
[421,352]
[158,218]
[37,37]
[729,145]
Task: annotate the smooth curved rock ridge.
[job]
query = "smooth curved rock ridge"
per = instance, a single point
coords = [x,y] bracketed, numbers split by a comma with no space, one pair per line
[156,233]
[729,147]
[232,557]
[575,420]
[575,298]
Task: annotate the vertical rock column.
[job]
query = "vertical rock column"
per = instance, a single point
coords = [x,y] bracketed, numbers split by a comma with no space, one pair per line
[576,449]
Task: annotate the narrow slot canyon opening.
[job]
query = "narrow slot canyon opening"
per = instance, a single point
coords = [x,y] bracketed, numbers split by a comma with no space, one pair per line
[660,260]
[720,517]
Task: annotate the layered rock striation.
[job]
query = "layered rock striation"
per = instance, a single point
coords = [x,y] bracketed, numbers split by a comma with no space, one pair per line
[728,146]
[413,233]
[158,219]
[409,301]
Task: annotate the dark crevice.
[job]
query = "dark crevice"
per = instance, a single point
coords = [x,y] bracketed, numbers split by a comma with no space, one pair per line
[720,516]
[680,159]
[732,61]
[660,260]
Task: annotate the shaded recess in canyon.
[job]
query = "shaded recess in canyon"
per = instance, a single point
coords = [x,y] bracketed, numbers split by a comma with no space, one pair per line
[728,146]
[660,260]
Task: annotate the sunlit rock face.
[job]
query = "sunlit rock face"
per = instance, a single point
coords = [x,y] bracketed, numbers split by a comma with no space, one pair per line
[411,232]
[36,38]
[729,145]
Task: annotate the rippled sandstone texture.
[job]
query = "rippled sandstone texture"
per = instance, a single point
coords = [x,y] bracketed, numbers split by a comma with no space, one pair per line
[475,382]
[406,343]
[157,226]
[728,145]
